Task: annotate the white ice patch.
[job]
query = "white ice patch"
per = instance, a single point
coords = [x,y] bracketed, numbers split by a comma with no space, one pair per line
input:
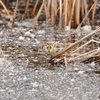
[41,31]
[80,72]
[1,33]
[92,64]
[27,33]
[32,35]
[21,38]
[35,84]
[72,80]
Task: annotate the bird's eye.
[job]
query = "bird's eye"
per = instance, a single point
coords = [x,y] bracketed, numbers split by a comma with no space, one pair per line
[50,47]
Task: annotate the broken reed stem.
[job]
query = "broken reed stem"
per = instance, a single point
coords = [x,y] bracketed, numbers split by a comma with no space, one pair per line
[14,14]
[70,20]
[92,55]
[5,9]
[94,10]
[35,6]
[10,12]
[81,55]
[77,42]
[4,57]
[26,9]
[65,59]
[84,45]
[37,15]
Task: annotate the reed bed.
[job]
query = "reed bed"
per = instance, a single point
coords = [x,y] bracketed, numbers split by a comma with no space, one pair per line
[62,57]
[64,14]
[61,14]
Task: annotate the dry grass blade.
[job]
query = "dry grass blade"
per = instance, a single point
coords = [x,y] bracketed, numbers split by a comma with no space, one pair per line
[37,15]
[77,42]
[4,56]
[6,10]
[14,14]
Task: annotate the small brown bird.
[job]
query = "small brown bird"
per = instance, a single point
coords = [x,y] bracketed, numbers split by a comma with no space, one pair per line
[50,48]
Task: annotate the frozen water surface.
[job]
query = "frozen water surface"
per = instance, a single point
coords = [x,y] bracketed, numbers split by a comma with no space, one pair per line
[30,78]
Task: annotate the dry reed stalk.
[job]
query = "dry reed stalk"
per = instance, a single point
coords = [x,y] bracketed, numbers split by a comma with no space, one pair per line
[65,59]
[86,9]
[37,15]
[14,14]
[83,7]
[70,20]
[52,12]
[5,9]
[85,55]
[4,57]
[85,17]
[89,5]
[26,9]
[45,8]
[92,55]
[48,8]
[77,42]
[77,13]
[85,45]
[10,12]
[47,23]
[66,4]
[7,4]
[35,6]
[55,15]
[70,7]
[94,10]
[60,14]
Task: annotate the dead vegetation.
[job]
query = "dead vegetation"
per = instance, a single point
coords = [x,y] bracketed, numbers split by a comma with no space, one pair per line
[61,14]
[92,55]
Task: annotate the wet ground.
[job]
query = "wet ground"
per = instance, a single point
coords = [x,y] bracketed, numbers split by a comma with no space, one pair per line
[30,78]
